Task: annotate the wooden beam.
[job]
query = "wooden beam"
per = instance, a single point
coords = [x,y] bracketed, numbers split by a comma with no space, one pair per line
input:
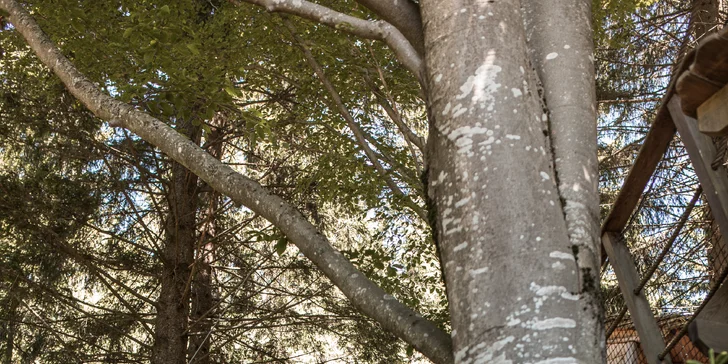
[713,114]
[711,325]
[649,332]
[653,148]
[708,334]
[702,152]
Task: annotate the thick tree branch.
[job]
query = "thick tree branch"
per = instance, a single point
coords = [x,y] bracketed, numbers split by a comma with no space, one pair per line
[377,30]
[364,294]
[404,15]
[351,123]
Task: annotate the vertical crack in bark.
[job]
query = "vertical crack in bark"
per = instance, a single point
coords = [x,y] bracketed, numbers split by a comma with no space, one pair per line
[560,47]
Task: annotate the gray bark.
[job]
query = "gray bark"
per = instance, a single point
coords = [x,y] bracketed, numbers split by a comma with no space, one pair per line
[364,294]
[559,38]
[404,15]
[513,283]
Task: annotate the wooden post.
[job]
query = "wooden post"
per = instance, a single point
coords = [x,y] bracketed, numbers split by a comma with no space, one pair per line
[709,334]
[702,152]
[653,148]
[639,308]
[711,325]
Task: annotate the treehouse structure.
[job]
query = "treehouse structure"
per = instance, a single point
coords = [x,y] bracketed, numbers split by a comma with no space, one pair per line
[695,107]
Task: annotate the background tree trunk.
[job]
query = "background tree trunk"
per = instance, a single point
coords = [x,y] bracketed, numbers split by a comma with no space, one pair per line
[170,335]
[203,296]
[9,325]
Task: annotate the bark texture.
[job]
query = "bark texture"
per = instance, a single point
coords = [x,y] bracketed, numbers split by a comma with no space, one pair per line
[8,325]
[173,304]
[559,37]
[512,278]
[203,298]
[404,15]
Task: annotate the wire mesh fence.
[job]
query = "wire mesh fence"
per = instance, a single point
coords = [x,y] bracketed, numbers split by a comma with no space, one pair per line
[675,243]
[681,259]
[623,345]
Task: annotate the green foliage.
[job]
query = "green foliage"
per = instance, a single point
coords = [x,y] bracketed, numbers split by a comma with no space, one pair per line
[608,14]
[722,358]
[207,68]
[637,46]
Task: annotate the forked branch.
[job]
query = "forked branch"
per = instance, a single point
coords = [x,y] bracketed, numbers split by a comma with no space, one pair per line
[404,15]
[377,30]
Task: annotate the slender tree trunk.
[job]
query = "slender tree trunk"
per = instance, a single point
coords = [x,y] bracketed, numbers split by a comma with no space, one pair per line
[203,296]
[9,325]
[515,289]
[170,335]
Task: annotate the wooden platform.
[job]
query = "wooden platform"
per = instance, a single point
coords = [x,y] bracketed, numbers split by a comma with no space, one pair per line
[699,86]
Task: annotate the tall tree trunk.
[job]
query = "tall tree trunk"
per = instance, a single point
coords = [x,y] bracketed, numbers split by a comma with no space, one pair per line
[9,325]
[515,287]
[170,334]
[203,296]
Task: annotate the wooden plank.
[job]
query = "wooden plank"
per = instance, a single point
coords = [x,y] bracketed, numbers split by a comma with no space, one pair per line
[707,73]
[694,90]
[702,152]
[707,334]
[655,145]
[713,319]
[653,148]
[713,114]
[651,338]
[717,308]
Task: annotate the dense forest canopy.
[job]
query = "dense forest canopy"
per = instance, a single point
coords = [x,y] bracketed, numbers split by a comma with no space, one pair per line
[315,243]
